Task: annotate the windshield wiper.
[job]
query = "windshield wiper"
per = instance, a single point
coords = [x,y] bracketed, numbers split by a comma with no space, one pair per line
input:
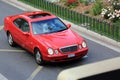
[61,30]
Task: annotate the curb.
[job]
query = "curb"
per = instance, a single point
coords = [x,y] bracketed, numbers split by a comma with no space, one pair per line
[87,70]
[21,5]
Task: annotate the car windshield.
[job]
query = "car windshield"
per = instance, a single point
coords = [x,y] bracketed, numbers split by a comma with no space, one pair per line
[48,26]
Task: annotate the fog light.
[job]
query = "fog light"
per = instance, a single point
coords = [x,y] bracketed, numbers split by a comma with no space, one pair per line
[56,51]
[80,47]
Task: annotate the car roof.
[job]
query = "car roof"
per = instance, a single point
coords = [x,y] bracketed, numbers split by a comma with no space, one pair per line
[36,16]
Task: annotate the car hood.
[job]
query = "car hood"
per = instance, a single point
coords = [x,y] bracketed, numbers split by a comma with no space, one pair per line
[60,39]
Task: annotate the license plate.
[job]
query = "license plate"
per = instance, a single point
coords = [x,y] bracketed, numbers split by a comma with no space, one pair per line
[71,55]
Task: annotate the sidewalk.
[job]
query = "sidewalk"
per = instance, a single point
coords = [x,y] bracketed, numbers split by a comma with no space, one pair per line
[93,71]
[105,41]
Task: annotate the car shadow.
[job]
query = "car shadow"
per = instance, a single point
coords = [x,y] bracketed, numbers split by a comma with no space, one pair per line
[67,64]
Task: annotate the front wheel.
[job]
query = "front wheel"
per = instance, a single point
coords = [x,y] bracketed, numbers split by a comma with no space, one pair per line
[10,40]
[38,57]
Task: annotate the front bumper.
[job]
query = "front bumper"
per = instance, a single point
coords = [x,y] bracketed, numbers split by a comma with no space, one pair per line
[61,57]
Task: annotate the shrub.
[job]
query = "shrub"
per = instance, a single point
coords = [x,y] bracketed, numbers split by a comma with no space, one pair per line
[86,3]
[81,1]
[96,9]
[112,13]
[107,15]
[115,17]
[87,12]
[116,6]
[71,3]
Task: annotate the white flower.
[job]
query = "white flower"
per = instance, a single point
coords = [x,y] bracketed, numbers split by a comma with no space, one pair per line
[104,10]
[114,3]
[114,13]
[118,3]
[113,16]
[109,14]
[109,8]
[102,13]
[118,15]
[110,18]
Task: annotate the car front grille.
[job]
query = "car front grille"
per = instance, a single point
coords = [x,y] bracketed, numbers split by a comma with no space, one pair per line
[69,48]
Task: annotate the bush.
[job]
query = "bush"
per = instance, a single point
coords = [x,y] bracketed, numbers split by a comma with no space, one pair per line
[106,15]
[116,6]
[81,1]
[86,3]
[71,3]
[96,9]
[86,12]
[115,17]
[112,13]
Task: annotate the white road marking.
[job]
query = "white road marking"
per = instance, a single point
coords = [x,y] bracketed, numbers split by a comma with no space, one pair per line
[2,77]
[1,27]
[32,76]
[7,50]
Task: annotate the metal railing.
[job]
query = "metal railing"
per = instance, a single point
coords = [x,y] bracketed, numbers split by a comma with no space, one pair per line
[96,25]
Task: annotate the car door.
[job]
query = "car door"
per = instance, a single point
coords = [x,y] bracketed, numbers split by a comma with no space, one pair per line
[17,24]
[22,31]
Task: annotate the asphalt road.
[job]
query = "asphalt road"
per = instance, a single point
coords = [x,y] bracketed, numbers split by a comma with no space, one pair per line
[18,64]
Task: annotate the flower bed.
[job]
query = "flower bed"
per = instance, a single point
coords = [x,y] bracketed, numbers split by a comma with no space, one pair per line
[108,10]
[113,12]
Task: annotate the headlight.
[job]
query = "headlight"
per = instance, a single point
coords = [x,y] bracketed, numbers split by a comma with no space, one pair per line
[50,51]
[84,45]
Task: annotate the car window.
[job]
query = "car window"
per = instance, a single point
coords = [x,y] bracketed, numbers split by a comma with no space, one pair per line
[48,26]
[17,22]
[22,24]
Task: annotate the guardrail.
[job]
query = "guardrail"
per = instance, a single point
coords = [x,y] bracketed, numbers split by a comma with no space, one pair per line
[102,27]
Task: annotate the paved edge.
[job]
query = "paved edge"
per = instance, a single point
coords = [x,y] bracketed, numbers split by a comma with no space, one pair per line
[105,41]
[20,5]
[2,77]
[88,70]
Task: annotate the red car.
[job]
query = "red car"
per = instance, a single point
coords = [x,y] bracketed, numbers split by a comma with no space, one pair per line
[44,35]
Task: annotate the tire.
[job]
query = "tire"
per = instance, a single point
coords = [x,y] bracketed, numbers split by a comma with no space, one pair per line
[10,40]
[38,57]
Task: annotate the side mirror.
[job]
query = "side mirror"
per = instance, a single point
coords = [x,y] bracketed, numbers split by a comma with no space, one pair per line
[68,25]
[26,33]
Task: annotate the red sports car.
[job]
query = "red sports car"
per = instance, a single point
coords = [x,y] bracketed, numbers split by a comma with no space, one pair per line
[44,35]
